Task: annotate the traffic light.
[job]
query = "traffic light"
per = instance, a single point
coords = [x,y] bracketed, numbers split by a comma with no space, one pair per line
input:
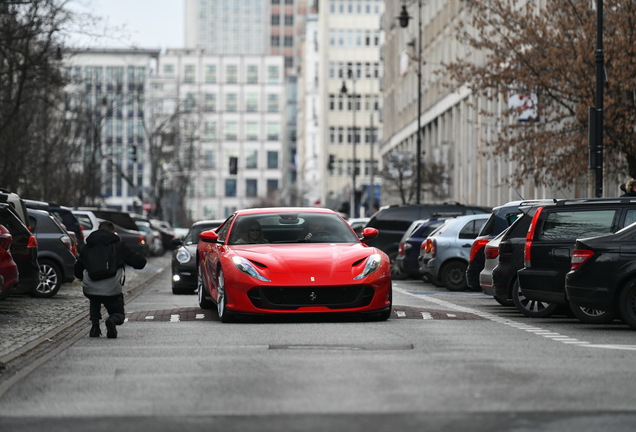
[233,165]
[332,161]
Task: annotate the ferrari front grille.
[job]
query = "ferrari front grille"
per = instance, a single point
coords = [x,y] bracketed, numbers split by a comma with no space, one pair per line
[290,298]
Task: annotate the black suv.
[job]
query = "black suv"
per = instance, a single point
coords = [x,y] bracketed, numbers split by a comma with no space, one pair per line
[393,221]
[551,239]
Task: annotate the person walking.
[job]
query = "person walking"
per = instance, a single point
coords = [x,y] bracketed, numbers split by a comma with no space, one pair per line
[630,188]
[100,267]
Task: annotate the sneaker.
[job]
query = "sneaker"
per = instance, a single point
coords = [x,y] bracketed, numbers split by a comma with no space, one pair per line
[95,331]
[111,331]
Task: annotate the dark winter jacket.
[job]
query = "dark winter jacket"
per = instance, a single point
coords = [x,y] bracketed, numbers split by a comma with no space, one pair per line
[125,256]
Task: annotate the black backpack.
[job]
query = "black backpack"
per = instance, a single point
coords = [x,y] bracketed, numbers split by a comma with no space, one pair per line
[100,261]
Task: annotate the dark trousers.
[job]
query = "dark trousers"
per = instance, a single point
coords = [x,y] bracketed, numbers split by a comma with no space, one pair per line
[113,304]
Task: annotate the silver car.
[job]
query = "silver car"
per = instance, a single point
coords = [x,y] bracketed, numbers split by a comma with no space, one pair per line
[444,254]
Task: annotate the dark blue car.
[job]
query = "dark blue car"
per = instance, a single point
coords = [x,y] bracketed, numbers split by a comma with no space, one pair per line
[409,248]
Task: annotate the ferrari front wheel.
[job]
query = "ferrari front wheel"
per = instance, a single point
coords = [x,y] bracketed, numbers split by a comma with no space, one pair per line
[204,303]
[221,300]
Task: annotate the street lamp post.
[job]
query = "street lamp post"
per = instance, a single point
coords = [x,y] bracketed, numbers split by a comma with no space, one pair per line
[600,75]
[404,22]
[343,90]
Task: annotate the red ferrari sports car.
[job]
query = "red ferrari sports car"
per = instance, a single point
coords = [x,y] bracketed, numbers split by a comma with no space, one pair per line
[291,260]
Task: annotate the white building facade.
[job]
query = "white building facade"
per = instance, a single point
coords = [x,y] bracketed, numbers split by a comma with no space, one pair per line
[349,41]
[231,114]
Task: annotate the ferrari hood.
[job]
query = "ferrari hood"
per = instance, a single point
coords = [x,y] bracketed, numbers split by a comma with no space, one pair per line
[316,260]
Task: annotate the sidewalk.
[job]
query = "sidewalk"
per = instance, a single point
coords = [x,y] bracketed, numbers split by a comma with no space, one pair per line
[27,323]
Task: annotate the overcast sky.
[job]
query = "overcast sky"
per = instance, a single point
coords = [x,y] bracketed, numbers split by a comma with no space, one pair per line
[139,23]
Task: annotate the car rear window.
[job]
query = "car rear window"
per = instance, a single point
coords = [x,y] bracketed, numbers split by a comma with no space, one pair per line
[577,224]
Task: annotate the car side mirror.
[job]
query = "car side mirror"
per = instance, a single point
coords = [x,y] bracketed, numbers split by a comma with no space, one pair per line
[176,242]
[369,233]
[209,236]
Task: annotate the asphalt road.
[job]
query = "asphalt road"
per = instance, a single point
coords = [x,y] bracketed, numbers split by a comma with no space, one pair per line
[444,361]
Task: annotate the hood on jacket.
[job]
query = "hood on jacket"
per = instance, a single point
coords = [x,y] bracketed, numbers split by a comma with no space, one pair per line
[101,237]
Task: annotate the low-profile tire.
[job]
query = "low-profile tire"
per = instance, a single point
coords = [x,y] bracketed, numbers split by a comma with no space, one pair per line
[221,300]
[592,316]
[453,276]
[204,302]
[396,272]
[627,303]
[531,308]
[50,279]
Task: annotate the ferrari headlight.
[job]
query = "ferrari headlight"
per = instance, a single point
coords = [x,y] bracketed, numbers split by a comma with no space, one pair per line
[372,264]
[248,268]
[183,256]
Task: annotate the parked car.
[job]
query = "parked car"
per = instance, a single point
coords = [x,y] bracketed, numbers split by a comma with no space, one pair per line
[501,218]
[551,239]
[8,267]
[24,249]
[445,254]
[491,259]
[54,252]
[17,203]
[167,233]
[152,238]
[509,260]
[409,248]
[87,220]
[602,277]
[184,265]
[64,215]
[332,272]
[393,221]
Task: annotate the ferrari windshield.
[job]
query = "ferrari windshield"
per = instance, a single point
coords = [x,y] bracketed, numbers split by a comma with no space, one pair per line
[287,227]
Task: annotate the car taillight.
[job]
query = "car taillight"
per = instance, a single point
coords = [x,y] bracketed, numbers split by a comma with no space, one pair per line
[526,251]
[141,239]
[476,247]
[491,252]
[81,230]
[580,257]
[401,249]
[32,243]
[67,242]
[431,247]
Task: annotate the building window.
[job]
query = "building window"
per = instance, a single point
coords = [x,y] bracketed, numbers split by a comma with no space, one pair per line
[209,159]
[273,74]
[251,102]
[209,187]
[189,74]
[275,20]
[230,187]
[231,102]
[231,131]
[168,69]
[272,103]
[272,186]
[272,160]
[251,187]
[275,41]
[252,74]
[251,131]
[288,41]
[210,74]
[289,20]
[251,159]
[273,131]
[231,72]
[190,102]
[210,102]
[209,130]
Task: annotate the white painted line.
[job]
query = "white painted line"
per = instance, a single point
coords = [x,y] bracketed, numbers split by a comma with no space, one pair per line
[150,317]
[174,318]
[427,316]
[451,315]
[400,314]
[520,326]
[199,316]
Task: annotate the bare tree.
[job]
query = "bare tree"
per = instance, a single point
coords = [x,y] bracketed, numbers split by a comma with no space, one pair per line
[399,177]
[546,54]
